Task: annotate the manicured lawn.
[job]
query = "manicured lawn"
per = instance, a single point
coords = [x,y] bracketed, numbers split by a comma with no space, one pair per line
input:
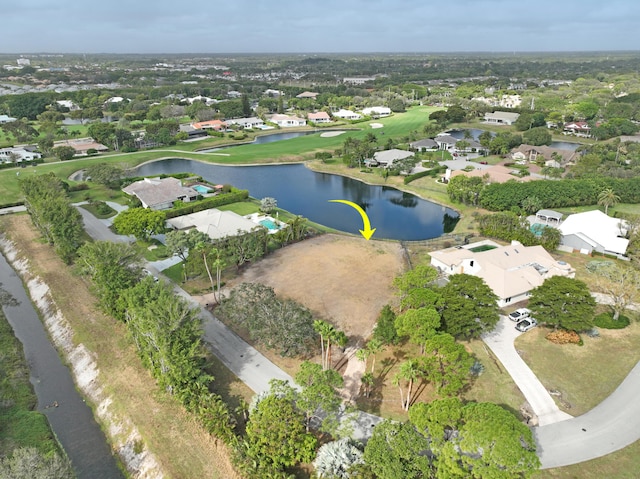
[152,250]
[585,375]
[100,212]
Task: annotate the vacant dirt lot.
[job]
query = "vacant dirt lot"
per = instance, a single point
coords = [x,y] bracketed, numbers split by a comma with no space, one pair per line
[344,280]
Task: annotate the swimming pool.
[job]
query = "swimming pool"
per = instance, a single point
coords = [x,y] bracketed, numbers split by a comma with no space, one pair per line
[201,189]
[269,224]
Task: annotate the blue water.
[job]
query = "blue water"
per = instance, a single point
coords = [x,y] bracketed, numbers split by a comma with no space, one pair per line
[270,225]
[259,140]
[395,214]
[201,189]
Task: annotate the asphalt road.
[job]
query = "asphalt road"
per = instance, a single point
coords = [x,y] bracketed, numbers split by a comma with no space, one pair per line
[610,426]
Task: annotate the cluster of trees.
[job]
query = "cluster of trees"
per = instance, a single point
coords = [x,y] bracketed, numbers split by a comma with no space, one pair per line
[165,329]
[57,220]
[280,324]
[515,196]
[433,317]
[450,438]
[508,226]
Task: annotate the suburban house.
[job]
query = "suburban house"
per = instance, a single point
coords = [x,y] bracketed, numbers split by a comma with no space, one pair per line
[511,271]
[160,193]
[501,117]
[17,154]
[204,99]
[510,101]
[577,128]
[358,80]
[285,121]
[6,119]
[319,117]
[82,145]
[445,142]
[554,157]
[593,231]
[215,223]
[217,125]
[251,122]
[308,94]
[471,146]
[273,93]
[387,158]
[428,144]
[376,111]
[346,115]
[68,104]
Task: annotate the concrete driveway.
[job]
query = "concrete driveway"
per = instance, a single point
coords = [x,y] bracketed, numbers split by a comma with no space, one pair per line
[500,341]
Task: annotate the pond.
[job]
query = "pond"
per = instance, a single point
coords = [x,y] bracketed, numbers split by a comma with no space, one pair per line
[475,133]
[71,419]
[259,140]
[395,214]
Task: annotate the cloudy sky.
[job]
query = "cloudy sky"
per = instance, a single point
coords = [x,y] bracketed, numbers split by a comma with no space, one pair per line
[261,26]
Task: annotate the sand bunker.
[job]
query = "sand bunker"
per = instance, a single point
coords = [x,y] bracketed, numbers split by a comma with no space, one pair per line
[376,125]
[328,134]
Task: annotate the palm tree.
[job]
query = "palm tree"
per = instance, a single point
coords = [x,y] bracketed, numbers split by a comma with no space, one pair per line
[606,198]
[409,372]
[325,330]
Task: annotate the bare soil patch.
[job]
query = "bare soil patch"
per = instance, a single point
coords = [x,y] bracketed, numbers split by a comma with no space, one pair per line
[344,280]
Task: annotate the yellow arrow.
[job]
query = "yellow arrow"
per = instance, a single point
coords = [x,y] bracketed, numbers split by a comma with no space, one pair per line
[367,232]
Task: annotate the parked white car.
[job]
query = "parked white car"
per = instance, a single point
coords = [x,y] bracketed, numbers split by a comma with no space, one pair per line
[519,314]
[526,324]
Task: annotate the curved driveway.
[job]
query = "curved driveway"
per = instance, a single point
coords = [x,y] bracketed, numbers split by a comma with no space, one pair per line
[500,341]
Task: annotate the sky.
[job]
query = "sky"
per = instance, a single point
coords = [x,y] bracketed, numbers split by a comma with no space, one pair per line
[312,26]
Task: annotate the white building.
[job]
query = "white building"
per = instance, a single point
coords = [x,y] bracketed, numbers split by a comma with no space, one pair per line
[346,114]
[510,271]
[6,119]
[594,231]
[8,155]
[160,193]
[286,121]
[376,111]
[501,117]
[215,223]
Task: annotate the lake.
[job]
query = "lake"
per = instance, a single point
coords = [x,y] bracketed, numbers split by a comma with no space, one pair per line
[395,214]
[259,140]
[475,133]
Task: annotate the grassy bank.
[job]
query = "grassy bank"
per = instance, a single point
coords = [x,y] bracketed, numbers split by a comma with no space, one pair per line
[20,424]
[181,447]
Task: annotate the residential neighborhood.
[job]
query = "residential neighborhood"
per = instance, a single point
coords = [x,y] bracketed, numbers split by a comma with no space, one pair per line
[369,248]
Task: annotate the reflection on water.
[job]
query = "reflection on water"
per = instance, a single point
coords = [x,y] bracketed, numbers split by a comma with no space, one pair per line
[394,214]
[70,418]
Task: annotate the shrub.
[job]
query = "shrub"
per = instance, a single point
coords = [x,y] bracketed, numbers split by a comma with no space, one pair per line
[79,187]
[606,321]
[563,336]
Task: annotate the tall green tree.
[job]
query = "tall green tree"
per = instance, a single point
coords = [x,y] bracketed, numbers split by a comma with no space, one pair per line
[398,451]
[419,325]
[469,307]
[385,329]
[446,364]
[276,433]
[475,440]
[112,267]
[563,302]
[620,283]
[319,398]
[409,372]
[139,222]
[414,282]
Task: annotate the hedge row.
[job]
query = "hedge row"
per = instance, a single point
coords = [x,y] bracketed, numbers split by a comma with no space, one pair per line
[13,165]
[212,202]
[432,172]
